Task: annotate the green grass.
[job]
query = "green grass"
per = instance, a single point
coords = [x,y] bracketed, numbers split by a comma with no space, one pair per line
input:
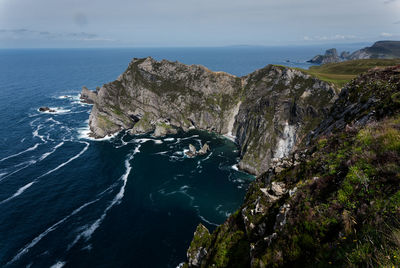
[341,73]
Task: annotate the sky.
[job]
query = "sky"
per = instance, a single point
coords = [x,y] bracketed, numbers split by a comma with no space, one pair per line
[174,23]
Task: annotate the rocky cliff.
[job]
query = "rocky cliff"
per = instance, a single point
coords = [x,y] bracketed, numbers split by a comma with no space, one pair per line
[269,111]
[333,202]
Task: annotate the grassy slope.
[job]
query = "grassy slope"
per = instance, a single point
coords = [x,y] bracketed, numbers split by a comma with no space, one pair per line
[341,73]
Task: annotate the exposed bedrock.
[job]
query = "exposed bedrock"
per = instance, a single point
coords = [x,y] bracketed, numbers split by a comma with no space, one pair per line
[268,111]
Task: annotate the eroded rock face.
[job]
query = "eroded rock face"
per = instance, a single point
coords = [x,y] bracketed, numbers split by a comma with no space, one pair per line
[281,106]
[268,111]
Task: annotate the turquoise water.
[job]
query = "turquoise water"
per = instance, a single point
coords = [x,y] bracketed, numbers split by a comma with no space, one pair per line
[130,201]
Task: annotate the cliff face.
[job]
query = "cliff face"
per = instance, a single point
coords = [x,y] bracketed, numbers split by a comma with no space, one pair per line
[269,111]
[334,202]
[280,106]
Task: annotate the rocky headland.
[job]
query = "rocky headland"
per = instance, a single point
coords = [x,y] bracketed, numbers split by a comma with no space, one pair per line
[268,112]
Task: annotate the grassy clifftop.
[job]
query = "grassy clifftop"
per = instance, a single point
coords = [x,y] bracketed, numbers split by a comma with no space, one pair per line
[342,72]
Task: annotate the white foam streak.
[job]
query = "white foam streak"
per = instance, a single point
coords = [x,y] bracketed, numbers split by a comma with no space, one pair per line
[50,229]
[27,150]
[18,192]
[30,163]
[67,162]
[52,151]
[58,264]
[57,110]
[207,221]
[87,233]
[83,133]
[35,133]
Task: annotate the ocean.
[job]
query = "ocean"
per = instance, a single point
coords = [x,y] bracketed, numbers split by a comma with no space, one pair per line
[128,201]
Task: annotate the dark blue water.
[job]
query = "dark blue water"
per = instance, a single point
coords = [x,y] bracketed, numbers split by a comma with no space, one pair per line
[131,201]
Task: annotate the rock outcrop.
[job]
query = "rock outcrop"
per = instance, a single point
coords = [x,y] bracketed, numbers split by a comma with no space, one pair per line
[330,56]
[269,111]
[192,152]
[334,202]
[88,96]
[46,109]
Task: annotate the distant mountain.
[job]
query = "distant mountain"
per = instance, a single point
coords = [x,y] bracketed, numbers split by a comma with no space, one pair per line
[379,50]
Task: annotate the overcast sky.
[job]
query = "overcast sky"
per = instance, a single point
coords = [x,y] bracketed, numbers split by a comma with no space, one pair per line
[134,23]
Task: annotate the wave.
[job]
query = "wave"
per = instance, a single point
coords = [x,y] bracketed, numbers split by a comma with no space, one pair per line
[230,137]
[36,240]
[178,140]
[169,139]
[83,133]
[123,143]
[57,110]
[235,167]
[208,157]
[30,163]
[182,190]
[18,192]
[58,264]
[22,152]
[68,161]
[35,133]
[143,140]
[87,233]
[162,153]
[207,221]
[51,119]
[52,151]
